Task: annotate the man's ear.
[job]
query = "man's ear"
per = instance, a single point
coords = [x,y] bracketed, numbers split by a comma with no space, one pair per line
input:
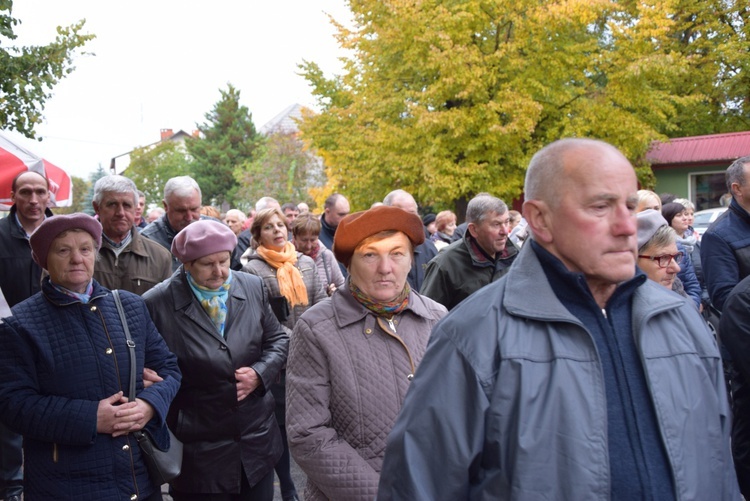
[472,229]
[164,203]
[95,206]
[537,215]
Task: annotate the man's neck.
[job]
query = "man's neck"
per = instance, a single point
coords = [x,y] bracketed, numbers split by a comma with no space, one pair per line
[117,238]
[29,225]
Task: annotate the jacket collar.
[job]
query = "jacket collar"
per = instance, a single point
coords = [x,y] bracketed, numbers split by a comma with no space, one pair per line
[527,274]
[480,258]
[56,297]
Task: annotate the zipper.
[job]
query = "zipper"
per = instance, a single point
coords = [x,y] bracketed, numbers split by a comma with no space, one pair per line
[390,322]
[55,455]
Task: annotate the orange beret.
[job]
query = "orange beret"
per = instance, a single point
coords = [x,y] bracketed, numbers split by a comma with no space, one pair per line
[357,226]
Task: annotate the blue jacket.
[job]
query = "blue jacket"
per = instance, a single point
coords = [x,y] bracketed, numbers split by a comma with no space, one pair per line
[509,400]
[66,357]
[725,253]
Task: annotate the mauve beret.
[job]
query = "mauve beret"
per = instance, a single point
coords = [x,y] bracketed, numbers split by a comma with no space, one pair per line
[649,221]
[42,238]
[357,226]
[202,238]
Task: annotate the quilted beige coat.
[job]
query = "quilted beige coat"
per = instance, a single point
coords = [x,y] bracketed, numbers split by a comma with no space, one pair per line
[347,374]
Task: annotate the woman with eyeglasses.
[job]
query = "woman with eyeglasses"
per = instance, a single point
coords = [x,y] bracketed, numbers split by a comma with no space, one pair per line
[658,256]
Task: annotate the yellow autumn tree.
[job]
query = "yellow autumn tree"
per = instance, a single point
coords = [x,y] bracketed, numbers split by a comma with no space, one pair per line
[449,98]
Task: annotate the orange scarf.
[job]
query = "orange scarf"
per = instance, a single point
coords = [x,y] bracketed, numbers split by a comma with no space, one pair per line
[291,285]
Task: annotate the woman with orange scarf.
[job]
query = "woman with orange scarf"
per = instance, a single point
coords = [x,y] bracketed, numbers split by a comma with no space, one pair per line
[293,286]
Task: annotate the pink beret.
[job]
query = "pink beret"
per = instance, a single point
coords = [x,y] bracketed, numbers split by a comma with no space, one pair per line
[356,227]
[42,238]
[202,238]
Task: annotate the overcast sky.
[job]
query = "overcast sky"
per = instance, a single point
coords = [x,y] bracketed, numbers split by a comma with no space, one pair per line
[160,65]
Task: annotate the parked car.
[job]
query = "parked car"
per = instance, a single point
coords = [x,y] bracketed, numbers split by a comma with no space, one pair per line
[704,218]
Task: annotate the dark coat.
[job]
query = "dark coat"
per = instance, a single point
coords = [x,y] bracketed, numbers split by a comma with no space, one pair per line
[20,276]
[221,436]
[735,335]
[459,270]
[66,357]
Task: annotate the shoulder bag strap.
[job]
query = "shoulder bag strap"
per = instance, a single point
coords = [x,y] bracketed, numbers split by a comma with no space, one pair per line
[131,344]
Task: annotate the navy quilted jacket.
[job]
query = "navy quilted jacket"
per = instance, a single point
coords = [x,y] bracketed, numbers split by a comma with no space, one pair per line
[60,357]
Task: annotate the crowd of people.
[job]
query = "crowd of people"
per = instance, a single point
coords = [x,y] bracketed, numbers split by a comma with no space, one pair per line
[586,348]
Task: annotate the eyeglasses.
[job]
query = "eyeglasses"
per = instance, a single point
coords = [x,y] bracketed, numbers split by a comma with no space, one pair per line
[664,259]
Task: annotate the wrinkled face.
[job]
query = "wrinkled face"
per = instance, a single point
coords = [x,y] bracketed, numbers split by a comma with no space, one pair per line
[380,267]
[593,228]
[663,276]
[305,243]
[492,232]
[234,223]
[210,271]
[31,197]
[273,234]
[139,209]
[181,211]
[339,211]
[680,222]
[116,213]
[71,259]
[291,215]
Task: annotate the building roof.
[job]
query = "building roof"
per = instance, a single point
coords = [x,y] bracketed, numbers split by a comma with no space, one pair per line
[286,121]
[697,150]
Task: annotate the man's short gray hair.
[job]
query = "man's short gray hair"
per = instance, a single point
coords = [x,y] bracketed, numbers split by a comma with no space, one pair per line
[482,205]
[736,172]
[181,186]
[264,202]
[114,184]
[547,168]
[390,197]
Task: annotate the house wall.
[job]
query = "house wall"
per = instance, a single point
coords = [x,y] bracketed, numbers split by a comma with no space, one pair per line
[703,185]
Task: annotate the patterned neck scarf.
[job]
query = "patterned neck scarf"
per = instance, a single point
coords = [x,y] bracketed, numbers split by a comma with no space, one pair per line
[214,301]
[291,285]
[84,298]
[381,308]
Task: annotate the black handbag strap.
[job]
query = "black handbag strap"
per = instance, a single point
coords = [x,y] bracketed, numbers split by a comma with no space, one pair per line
[131,344]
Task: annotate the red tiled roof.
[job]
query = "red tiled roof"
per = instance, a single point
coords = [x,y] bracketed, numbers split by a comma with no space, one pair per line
[714,148]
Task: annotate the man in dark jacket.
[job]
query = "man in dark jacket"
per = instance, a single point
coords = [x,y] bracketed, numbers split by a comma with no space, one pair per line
[20,279]
[335,208]
[735,335]
[182,206]
[482,256]
[573,376]
[424,252]
[126,259]
[725,247]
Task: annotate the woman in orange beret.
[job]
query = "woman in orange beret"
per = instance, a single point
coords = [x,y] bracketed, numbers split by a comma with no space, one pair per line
[352,356]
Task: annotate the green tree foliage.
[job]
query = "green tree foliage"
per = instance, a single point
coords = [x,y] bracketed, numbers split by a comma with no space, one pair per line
[447,99]
[152,166]
[80,189]
[28,74]
[88,206]
[283,169]
[228,140]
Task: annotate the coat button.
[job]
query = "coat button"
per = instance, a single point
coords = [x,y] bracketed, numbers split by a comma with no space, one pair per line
[126,447]
[368,331]
[93,308]
[410,377]
[222,347]
[133,497]
[108,351]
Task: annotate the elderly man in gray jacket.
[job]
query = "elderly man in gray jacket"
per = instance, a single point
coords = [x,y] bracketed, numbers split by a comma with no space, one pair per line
[573,377]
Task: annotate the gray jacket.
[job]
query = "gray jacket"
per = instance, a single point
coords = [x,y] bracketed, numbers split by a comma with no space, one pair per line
[347,375]
[509,400]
